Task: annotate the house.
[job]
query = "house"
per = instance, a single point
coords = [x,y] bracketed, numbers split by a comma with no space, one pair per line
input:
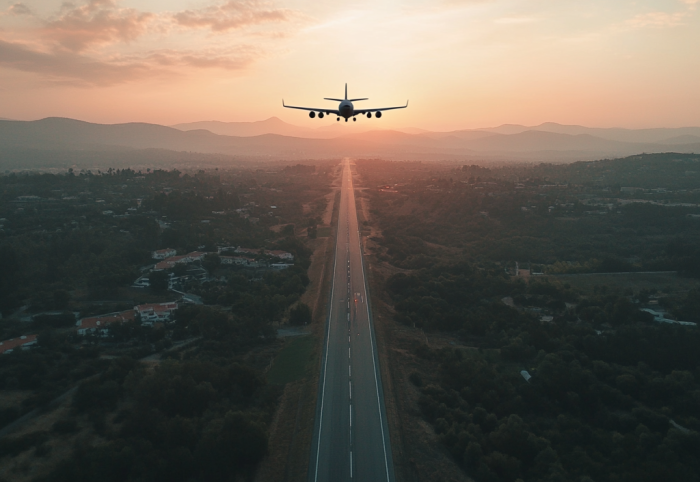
[98,324]
[142,282]
[250,251]
[278,266]
[659,317]
[195,256]
[155,312]
[163,253]
[275,253]
[23,342]
[173,260]
[280,254]
[164,265]
[235,260]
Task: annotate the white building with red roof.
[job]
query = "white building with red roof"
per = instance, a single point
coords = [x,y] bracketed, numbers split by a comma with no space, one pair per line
[247,251]
[183,259]
[239,260]
[98,324]
[23,342]
[275,252]
[155,312]
[280,254]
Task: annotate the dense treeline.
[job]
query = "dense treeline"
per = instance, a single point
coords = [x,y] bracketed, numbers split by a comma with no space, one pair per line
[94,231]
[552,383]
[613,405]
[46,371]
[566,218]
[264,299]
[576,419]
[180,399]
[184,421]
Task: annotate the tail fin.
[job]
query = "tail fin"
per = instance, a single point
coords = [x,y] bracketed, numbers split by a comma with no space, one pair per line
[346,91]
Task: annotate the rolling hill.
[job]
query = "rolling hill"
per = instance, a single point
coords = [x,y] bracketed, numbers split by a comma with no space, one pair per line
[511,143]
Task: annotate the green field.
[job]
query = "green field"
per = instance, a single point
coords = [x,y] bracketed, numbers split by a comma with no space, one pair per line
[292,363]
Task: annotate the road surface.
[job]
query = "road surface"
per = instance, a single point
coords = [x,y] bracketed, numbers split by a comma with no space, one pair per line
[351,437]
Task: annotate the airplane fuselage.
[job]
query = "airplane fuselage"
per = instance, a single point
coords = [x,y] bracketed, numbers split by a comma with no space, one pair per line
[346,109]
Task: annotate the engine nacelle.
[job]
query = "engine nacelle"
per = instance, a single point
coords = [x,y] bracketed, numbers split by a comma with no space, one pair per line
[378,114]
[369,115]
[312,114]
[320,115]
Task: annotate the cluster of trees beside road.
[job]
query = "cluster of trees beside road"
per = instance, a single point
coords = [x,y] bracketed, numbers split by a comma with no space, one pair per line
[93,231]
[613,397]
[203,413]
[186,420]
[498,219]
[266,298]
[45,372]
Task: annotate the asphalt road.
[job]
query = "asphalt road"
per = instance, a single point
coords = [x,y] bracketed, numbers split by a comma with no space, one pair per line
[351,436]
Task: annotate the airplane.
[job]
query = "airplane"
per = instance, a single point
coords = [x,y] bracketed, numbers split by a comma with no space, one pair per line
[345,109]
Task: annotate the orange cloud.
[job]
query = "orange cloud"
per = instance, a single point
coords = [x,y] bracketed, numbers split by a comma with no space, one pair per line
[233,15]
[80,70]
[62,66]
[19,9]
[97,22]
[229,59]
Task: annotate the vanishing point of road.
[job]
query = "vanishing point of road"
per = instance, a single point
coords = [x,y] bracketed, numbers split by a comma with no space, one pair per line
[351,436]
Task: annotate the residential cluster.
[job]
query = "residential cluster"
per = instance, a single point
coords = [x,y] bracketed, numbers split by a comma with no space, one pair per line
[148,314]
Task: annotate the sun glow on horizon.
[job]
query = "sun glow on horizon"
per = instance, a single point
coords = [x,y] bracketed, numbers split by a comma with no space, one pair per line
[462,63]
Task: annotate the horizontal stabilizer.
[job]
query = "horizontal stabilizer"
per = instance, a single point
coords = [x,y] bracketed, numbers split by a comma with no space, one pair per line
[355,100]
[337,100]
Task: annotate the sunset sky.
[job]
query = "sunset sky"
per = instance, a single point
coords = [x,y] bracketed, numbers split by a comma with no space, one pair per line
[462,63]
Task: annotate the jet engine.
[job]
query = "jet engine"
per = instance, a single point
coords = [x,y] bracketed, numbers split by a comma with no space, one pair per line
[378,114]
[312,114]
[320,115]
[369,115]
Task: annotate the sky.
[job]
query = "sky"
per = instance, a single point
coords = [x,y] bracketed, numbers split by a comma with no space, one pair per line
[461,63]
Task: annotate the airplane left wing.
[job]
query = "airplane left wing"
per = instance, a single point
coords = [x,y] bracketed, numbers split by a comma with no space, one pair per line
[312,109]
[364,111]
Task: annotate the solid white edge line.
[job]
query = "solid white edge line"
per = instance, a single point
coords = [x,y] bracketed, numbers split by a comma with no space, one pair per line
[376,382]
[328,337]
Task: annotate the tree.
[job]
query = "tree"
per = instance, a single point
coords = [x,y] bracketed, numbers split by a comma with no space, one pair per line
[288,230]
[300,315]
[158,280]
[211,261]
[61,298]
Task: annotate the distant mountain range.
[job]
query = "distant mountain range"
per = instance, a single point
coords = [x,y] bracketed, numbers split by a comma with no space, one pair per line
[275,139]
[274,125]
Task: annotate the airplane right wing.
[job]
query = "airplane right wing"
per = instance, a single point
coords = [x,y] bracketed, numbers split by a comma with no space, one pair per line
[364,111]
[312,109]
